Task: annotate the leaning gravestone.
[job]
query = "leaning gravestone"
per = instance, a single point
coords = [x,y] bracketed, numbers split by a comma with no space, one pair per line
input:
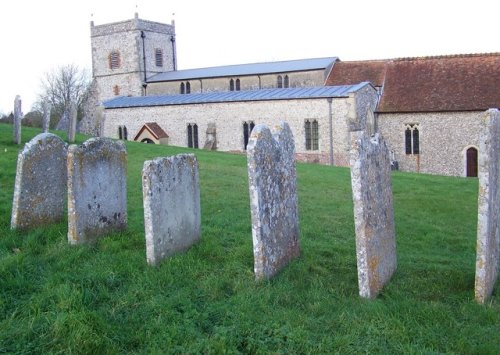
[172,213]
[41,178]
[97,189]
[273,199]
[72,122]
[46,117]
[17,120]
[488,227]
[373,212]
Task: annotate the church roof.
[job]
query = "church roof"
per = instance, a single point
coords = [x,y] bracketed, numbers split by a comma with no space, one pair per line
[452,83]
[350,73]
[235,96]
[467,82]
[245,69]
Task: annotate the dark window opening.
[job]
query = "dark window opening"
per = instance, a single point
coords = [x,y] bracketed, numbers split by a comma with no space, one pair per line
[192,132]
[183,90]
[231,85]
[247,130]
[238,85]
[412,139]
[114,60]
[286,82]
[122,132]
[159,57]
[188,88]
[280,82]
[312,135]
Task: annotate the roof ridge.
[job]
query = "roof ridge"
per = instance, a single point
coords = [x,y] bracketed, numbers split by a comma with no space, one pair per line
[447,56]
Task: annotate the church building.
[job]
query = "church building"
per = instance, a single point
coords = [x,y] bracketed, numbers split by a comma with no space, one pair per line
[426,108]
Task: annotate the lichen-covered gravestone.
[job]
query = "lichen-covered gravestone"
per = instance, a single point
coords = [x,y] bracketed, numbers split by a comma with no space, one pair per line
[17,119]
[373,212]
[41,178]
[488,227]
[97,189]
[273,199]
[72,122]
[172,214]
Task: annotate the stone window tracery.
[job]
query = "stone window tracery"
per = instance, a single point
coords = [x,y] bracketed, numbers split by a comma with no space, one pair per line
[192,133]
[412,139]
[312,134]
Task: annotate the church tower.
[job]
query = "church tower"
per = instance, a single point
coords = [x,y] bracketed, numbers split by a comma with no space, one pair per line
[125,54]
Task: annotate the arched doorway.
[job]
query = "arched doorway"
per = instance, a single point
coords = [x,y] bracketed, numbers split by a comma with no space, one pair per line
[471,162]
[148,141]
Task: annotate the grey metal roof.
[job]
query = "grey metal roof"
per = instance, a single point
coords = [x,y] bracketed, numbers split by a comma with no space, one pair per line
[245,69]
[234,96]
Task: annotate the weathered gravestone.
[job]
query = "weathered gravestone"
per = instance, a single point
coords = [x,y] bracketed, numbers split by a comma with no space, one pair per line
[488,227]
[41,178]
[172,213]
[72,122]
[273,199]
[18,115]
[373,212]
[46,117]
[97,189]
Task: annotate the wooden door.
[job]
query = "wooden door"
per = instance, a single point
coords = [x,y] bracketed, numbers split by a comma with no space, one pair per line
[472,162]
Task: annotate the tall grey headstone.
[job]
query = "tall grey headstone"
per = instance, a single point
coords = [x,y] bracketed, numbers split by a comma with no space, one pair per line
[46,117]
[41,178]
[488,226]
[373,212]
[97,189]
[72,122]
[17,120]
[273,199]
[172,213]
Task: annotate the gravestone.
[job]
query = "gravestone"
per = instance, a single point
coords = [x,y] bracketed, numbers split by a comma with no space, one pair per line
[273,199]
[373,212]
[41,178]
[72,122]
[46,117]
[211,140]
[97,189]
[488,226]
[172,213]
[18,115]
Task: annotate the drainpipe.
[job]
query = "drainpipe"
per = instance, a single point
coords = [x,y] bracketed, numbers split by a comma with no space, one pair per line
[143,36]
[330,126]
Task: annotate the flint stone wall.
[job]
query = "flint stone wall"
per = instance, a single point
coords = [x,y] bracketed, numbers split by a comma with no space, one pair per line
[172,213]
[373,212]
[97,189]
[273,199]
[41,178]
[488,227]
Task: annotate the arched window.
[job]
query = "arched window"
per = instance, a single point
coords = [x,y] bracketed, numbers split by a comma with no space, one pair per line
[116,90]
[188,88]
[231,85]
[114,60]
[192,133]
[122,132]
[286,83]
[312,135]
[280,82]
[238,85]
[183,90]
[158,57]
[412,139]
[247,130]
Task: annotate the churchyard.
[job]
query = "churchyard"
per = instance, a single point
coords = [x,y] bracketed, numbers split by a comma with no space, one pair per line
[105,297]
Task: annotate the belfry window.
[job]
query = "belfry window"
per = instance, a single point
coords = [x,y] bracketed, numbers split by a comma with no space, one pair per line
[412,139]
[312,135]
[158,57]
[192,135]
[247,130]
[114,60]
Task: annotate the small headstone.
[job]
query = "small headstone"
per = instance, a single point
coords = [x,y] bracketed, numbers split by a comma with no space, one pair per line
[72,122]
[18,115]
[211,140]
[172,213]
[46,117]
[41,178]
[373,212]
[97,189]
[488,226]
[273,199]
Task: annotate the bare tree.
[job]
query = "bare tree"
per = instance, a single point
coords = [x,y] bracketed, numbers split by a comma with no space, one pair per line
[64,85]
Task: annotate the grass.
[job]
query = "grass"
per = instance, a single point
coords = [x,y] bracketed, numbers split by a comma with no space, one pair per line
[105,298]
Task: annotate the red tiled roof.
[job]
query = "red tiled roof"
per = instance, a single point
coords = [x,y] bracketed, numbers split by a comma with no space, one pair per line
[453,83]
[154,128]
[428,84]
[351,73]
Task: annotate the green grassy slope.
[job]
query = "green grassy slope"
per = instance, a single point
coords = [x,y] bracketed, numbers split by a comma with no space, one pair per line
[105,298]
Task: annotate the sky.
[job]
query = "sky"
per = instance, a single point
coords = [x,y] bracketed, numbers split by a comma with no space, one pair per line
[37,36]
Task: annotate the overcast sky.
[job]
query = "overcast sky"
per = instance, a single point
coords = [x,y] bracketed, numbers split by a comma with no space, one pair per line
[39,35]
